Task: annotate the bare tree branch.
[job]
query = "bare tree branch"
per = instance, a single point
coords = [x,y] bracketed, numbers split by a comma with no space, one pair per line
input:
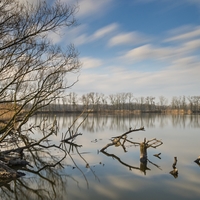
[33,70]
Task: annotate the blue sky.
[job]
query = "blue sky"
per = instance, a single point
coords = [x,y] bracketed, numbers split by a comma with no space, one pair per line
[146,47]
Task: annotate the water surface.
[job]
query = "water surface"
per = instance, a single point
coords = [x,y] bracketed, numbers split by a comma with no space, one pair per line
[94,175]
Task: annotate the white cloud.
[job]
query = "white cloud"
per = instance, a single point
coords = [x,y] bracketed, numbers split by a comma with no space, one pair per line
[105,30]
[89,62]
[92,7]
[189,62]
[184,33]
[81,39]
[188,48]
[179,77]
[168,52]
[131,38]
[69,35]
[178,73]
[55,37]
[33,2]
[80,36]
[149,51]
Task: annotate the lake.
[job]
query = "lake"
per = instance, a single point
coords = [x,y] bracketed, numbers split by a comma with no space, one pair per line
[87,173]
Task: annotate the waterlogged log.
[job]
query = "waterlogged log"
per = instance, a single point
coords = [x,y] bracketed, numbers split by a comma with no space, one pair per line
[9,173]
[13,157]
[18,162]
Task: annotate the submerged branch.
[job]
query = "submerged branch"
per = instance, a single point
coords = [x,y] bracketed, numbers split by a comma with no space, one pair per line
[130,131]
[71,137]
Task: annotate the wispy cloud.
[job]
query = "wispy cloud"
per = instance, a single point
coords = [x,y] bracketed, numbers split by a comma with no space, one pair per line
[92,7]
[174,52]
[170,81]
[149,51]
[130,38]
[81,36]
[184,33]
[111,33]
[89,62]
[180,43]
[179,76]
[33,2]
[105,31]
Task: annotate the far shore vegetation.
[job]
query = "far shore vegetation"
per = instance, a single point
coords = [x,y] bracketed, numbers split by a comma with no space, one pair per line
[122,103]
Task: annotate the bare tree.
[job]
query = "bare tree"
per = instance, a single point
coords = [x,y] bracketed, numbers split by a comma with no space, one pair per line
[130,100]
[163,102]
[32,69]
[194,103]
[104,103]
[112,100]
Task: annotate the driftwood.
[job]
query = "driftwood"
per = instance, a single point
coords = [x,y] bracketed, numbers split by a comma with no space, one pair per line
[8,173]
[9,159]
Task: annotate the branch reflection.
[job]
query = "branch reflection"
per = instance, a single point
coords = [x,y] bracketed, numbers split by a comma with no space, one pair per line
[42,161]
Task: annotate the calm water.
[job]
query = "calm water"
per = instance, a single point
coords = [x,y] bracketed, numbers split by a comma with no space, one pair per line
[94,175]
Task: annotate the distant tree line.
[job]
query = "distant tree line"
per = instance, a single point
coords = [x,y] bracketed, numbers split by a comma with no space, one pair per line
[123,102]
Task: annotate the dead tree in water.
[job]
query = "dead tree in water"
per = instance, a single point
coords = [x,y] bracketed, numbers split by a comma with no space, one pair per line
[122,139]
[117,139]
[145,145]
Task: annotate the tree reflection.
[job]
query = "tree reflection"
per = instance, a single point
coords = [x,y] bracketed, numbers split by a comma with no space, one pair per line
[44,164]
[39,183]
[96,123]
[44,181]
